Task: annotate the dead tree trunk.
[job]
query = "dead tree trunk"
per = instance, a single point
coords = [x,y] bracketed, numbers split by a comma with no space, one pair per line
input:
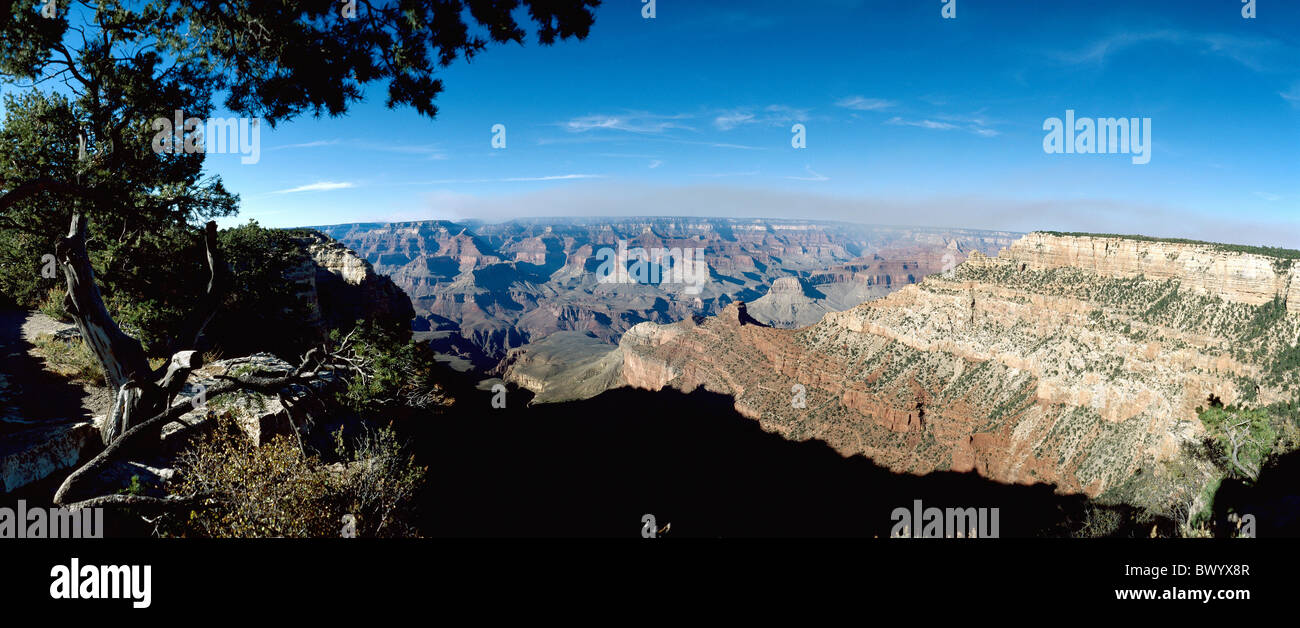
[141,392]
[1238,438]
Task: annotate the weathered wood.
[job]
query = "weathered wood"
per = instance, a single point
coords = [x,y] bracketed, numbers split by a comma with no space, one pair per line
[178,370]
[120,355]
[135,403]
[145,502]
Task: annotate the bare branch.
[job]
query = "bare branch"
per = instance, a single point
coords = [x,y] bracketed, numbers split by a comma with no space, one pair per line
[201,500]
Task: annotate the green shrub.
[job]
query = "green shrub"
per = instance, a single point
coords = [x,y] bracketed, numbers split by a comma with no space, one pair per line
[51,305]
[399,373]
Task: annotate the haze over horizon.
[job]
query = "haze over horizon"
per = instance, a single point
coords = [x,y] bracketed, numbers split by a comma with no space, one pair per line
[690,113]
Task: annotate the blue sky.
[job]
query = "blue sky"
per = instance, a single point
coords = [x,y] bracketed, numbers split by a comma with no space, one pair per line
[911,119]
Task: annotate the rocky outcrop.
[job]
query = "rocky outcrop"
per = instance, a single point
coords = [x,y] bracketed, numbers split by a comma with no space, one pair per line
[33,455]
[259,416]
[790,304]
[341,288]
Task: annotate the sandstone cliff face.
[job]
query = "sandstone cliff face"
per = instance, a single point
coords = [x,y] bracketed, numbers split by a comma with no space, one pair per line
[1024,368]
[1237,277]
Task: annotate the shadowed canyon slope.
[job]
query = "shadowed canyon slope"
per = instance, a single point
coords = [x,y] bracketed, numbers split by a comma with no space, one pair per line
[1073,360]
[482,289]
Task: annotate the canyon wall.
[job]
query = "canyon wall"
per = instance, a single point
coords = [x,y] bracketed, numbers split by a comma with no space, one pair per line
[1079,362]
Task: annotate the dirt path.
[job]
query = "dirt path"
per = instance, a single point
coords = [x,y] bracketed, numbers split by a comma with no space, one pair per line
[30,394]
[38,324]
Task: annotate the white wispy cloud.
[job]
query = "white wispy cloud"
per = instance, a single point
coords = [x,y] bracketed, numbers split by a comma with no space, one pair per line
[728,121]
[319,186]
[1257,53]
[655,163]
[630,155]
[721,175]
[812,176]
[924,124]
[861,103]
[632,122]
[771,115]
[976,123]
[557,177]
[1269,196]
[427,150]
[1292,95]
[597,139]
[972,124]
[306,145]
[715,144]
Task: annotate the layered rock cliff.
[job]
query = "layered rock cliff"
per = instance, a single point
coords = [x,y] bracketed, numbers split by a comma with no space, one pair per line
[1231,273]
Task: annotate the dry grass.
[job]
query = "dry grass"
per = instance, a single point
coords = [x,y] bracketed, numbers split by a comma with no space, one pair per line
[71,359]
